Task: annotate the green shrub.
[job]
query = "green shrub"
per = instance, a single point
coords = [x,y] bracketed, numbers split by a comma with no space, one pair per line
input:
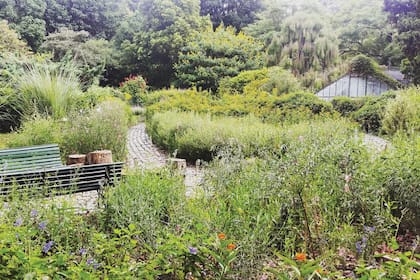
[294,101]
[48,90]
[346,105]
[403,113]
[273,80]
[370,115]
[153,201]
[195,136]
[236,85]
[37,131]
[279,81]
[95,95]
[10,115]
[104,127]
[136,88]
[397,170]
[276,109]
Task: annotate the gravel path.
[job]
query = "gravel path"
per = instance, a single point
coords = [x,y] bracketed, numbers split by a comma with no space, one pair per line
[375,142]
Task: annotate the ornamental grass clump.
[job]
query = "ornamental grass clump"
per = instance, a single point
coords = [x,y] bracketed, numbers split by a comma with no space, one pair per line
[48,90]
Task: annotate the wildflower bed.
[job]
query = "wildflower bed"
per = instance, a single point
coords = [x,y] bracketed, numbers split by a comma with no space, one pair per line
[318,205]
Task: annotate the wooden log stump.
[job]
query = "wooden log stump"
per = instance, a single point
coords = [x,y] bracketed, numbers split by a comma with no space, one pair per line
[76,159]
[177,163]
[97,157]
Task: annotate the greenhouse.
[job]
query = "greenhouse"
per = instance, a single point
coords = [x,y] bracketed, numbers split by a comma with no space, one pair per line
[354,86]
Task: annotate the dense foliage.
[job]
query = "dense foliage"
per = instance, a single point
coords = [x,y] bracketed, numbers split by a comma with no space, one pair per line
[214,55]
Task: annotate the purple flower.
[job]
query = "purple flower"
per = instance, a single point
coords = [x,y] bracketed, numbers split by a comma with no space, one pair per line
[34,213]
[47,247]
[42,225]
[96,265]
[89,261]
[18,222]
[358,247]
[193,250]
[82,251]
[364,241]
[369,229]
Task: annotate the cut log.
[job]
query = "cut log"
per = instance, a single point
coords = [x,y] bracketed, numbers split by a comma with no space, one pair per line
[76,159]
[98,157]
[177,163]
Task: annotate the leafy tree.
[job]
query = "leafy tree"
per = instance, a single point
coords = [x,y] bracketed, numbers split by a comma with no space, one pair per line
[213,55]
[90,56]
[98,17]
[405,16]
[304,43]
[150,46]
[10,42]
[237,13]
[26,17]
[363,29]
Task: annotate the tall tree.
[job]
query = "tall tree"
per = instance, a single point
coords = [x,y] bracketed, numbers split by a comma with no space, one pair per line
[213,55]
[305,43]
[89,56]
[236,13]
[405,16]
[151,42]
[27,18]
[98,17]
[363,29]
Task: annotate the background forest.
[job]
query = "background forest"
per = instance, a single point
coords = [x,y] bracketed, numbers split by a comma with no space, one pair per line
[178,42]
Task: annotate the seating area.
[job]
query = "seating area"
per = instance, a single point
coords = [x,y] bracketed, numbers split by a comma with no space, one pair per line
[38,170]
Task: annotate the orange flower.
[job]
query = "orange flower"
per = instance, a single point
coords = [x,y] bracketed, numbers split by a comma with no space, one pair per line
[221,236]
[231,246]
[301,257]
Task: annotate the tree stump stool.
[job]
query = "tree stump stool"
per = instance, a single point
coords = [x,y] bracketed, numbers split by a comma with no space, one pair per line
[98,157]
[76,159]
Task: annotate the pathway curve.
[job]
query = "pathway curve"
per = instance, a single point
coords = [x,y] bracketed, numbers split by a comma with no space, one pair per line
[142,153]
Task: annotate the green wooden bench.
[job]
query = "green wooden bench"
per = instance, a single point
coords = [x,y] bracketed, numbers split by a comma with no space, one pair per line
[39,170]
[30,158]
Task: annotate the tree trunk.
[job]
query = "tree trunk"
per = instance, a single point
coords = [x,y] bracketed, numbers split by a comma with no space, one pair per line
[76,159]
[97,157]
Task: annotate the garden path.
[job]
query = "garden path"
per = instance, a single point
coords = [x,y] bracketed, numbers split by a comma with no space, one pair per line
[375,142]
[143,154]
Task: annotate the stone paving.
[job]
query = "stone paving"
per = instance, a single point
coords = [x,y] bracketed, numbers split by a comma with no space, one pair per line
[143,154]
[141,151]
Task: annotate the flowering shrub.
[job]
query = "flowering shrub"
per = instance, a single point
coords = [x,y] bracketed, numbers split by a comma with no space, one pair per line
[135,87]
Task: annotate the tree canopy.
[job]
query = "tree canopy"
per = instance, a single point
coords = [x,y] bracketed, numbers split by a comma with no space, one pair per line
[213,55]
